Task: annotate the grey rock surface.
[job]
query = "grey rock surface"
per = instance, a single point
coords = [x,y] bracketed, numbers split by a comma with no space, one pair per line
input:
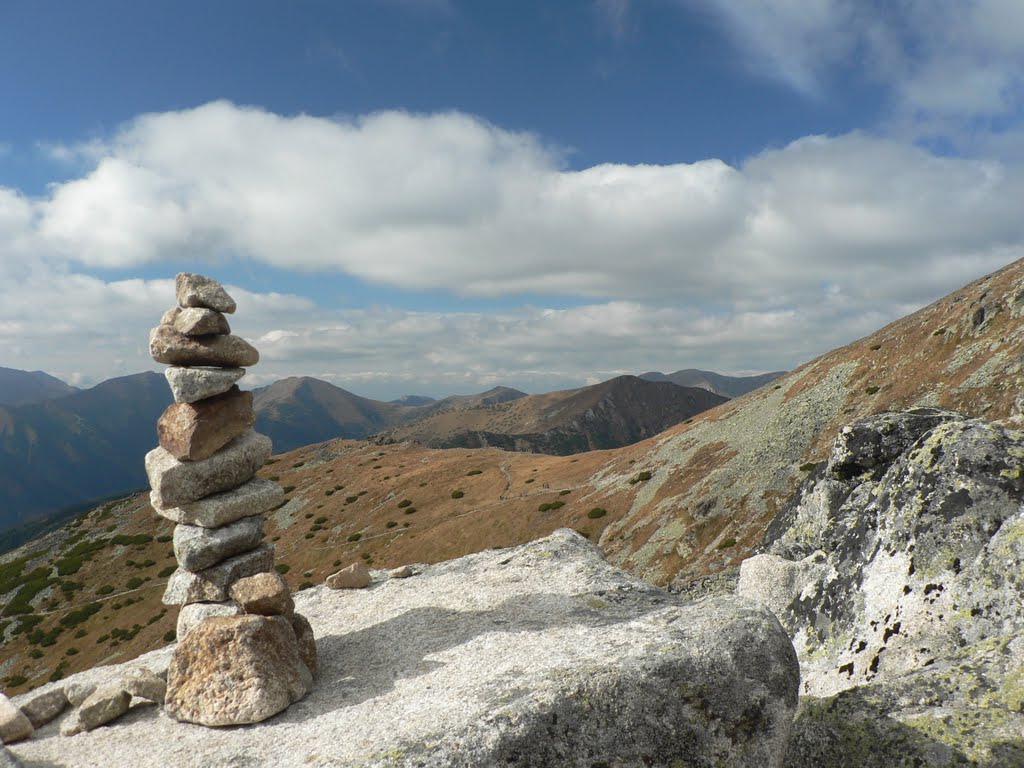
[235,670]
[107,703]
[252,498]
[178,482]
[7,760]
[211,585]
[542,653]
[190,615]
[191,384]
[905,594]
[194,290]
[197,548]
[44,707]
[199,321]
[77,690]
[355,576]
[166,345]
[14,726]
[145,684]
[306,639]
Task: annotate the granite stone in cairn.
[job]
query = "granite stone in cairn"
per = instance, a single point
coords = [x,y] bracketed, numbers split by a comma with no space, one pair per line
[203,478]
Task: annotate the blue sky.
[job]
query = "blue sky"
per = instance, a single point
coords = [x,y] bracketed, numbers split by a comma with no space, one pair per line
[436,196]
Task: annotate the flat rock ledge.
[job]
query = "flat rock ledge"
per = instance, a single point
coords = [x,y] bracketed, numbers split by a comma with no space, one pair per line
[538,655]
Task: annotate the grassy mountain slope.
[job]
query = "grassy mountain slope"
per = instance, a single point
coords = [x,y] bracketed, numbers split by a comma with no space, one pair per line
[613,413]
[727,386]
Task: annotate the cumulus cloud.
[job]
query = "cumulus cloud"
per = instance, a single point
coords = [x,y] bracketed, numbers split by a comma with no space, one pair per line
[450,202]
[736,268]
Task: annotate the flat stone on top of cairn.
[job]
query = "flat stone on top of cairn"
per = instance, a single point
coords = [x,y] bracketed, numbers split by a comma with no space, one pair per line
[203,477]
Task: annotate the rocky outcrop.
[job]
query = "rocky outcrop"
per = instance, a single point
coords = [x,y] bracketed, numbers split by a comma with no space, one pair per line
[541,655]
[898,570]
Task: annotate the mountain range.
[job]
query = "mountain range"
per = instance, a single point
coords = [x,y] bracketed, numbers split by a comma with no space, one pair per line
[74,446]
[611,414]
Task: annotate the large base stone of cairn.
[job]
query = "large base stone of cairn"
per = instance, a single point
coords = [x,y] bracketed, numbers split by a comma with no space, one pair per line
[236,670]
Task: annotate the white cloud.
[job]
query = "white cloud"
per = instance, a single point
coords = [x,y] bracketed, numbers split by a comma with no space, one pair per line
[745,268]
[452,203]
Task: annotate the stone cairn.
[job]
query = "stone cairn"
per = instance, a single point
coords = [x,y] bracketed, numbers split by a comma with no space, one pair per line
[243,653]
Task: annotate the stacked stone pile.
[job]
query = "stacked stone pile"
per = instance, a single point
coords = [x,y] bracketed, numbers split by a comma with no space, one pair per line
[238,632]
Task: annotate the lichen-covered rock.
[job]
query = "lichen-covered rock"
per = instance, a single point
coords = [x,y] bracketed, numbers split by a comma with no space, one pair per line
[251,498]
[211,585]
[43,707]
[167,345]
[236,670]
[194,431]
[264,594]
[910,587]
[191,384]
[541,655]
[198,548]
[194,290]
[178,482]
[14,726]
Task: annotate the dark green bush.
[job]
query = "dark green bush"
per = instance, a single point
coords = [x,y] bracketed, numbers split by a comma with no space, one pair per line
[282,568]
[872,390]
[134,582]
[350,499]
[410,510]
[355,536]
[170,635]
[80,615]
[457,494]
[565,492]
[641,477]
[404,503]
[726,543]
[390,523]
[597,512]
[106,589]
[474,472]
[167,571]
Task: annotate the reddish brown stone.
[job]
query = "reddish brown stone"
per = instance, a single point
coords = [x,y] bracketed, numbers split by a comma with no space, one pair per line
[193,431]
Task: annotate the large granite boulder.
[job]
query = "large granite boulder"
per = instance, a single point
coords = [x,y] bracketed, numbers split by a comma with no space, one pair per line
[541,655]
[898,571]
[234,670]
